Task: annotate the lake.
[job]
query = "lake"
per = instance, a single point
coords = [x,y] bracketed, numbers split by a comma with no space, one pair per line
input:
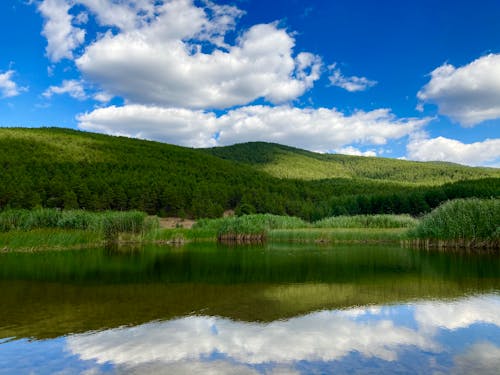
[272,309]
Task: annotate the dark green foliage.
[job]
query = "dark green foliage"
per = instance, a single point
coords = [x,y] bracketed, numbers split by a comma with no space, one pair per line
[462,219]
[66,169]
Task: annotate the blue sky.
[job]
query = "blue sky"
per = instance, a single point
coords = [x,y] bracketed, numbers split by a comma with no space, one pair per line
[419,81]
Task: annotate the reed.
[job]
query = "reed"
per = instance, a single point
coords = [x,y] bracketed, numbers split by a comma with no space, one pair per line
[338,235]
[367,221]
[107,225]
[247,228]
[47,238]
[257,228]
[461,223]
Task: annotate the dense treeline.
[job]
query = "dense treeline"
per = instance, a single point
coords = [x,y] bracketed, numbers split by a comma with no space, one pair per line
[288,162]
[61,168]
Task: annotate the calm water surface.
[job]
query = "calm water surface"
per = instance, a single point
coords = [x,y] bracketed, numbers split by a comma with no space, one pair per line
[276,309]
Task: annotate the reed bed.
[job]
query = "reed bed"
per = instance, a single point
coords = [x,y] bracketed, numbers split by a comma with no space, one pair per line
[109,224]
[367,221]
[47,238]
[461,223]
[258,228]
[338,235]
[247,228]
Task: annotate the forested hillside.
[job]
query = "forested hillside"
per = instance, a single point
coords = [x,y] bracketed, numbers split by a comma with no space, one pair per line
[288,162]
[64,168]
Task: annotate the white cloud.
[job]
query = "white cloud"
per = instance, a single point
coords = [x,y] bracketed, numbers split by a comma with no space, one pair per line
[321,336]
[82,18]
[445,149]
[458,314]
[173,125]
[62,36]
[351,84]
[8,88]
[162,61]
[124,14]
[319,129]
[190,367]
[355,151]
[73,88]
[482,358]
[102,97]
[468,94]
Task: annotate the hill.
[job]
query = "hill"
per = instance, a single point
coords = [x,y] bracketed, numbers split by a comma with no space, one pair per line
[288,162]
[53,167]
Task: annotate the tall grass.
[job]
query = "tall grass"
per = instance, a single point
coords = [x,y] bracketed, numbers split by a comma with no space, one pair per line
[287,228]
[338,235]
[367,221]
[47,238]
[252,226]
[108,223]
[462,223]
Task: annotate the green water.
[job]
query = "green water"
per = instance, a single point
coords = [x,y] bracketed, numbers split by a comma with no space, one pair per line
[50,294]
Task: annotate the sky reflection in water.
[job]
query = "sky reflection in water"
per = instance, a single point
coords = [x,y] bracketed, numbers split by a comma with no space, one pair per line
[458,336]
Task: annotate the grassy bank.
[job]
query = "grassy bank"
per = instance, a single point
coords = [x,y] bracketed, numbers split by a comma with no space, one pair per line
[52,228]
[48,239]
[338,235]
[359,228]
[462,223]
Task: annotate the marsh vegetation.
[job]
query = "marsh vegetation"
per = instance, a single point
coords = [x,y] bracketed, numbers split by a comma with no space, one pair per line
[464,223]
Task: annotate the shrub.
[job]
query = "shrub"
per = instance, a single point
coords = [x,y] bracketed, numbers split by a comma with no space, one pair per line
[461,219]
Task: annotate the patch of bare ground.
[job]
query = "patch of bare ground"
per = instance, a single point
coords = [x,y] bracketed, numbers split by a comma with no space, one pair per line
[175,222]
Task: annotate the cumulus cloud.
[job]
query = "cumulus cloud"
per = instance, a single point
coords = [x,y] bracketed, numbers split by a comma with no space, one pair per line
[319,129]
[73,88]
[62,37]
[154,65]
[322,336]
[482,358]
[422,148]
[175,53]
[468,94]
[8,88]
[458,314]
[102,97]
[351,84]
[172,125]
[349,150]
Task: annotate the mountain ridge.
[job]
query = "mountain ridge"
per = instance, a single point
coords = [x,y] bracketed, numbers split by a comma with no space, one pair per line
[66,168]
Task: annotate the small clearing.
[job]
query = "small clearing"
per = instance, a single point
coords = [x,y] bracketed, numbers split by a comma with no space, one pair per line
[175,222]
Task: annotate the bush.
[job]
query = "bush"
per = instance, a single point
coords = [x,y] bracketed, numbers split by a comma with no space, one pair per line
[461,219]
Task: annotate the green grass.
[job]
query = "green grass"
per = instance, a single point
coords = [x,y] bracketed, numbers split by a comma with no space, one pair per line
[367,221]
[462,223]
[41,228]
[285,228]
[106,221]
[48,239]
[251,225]
[338,235]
